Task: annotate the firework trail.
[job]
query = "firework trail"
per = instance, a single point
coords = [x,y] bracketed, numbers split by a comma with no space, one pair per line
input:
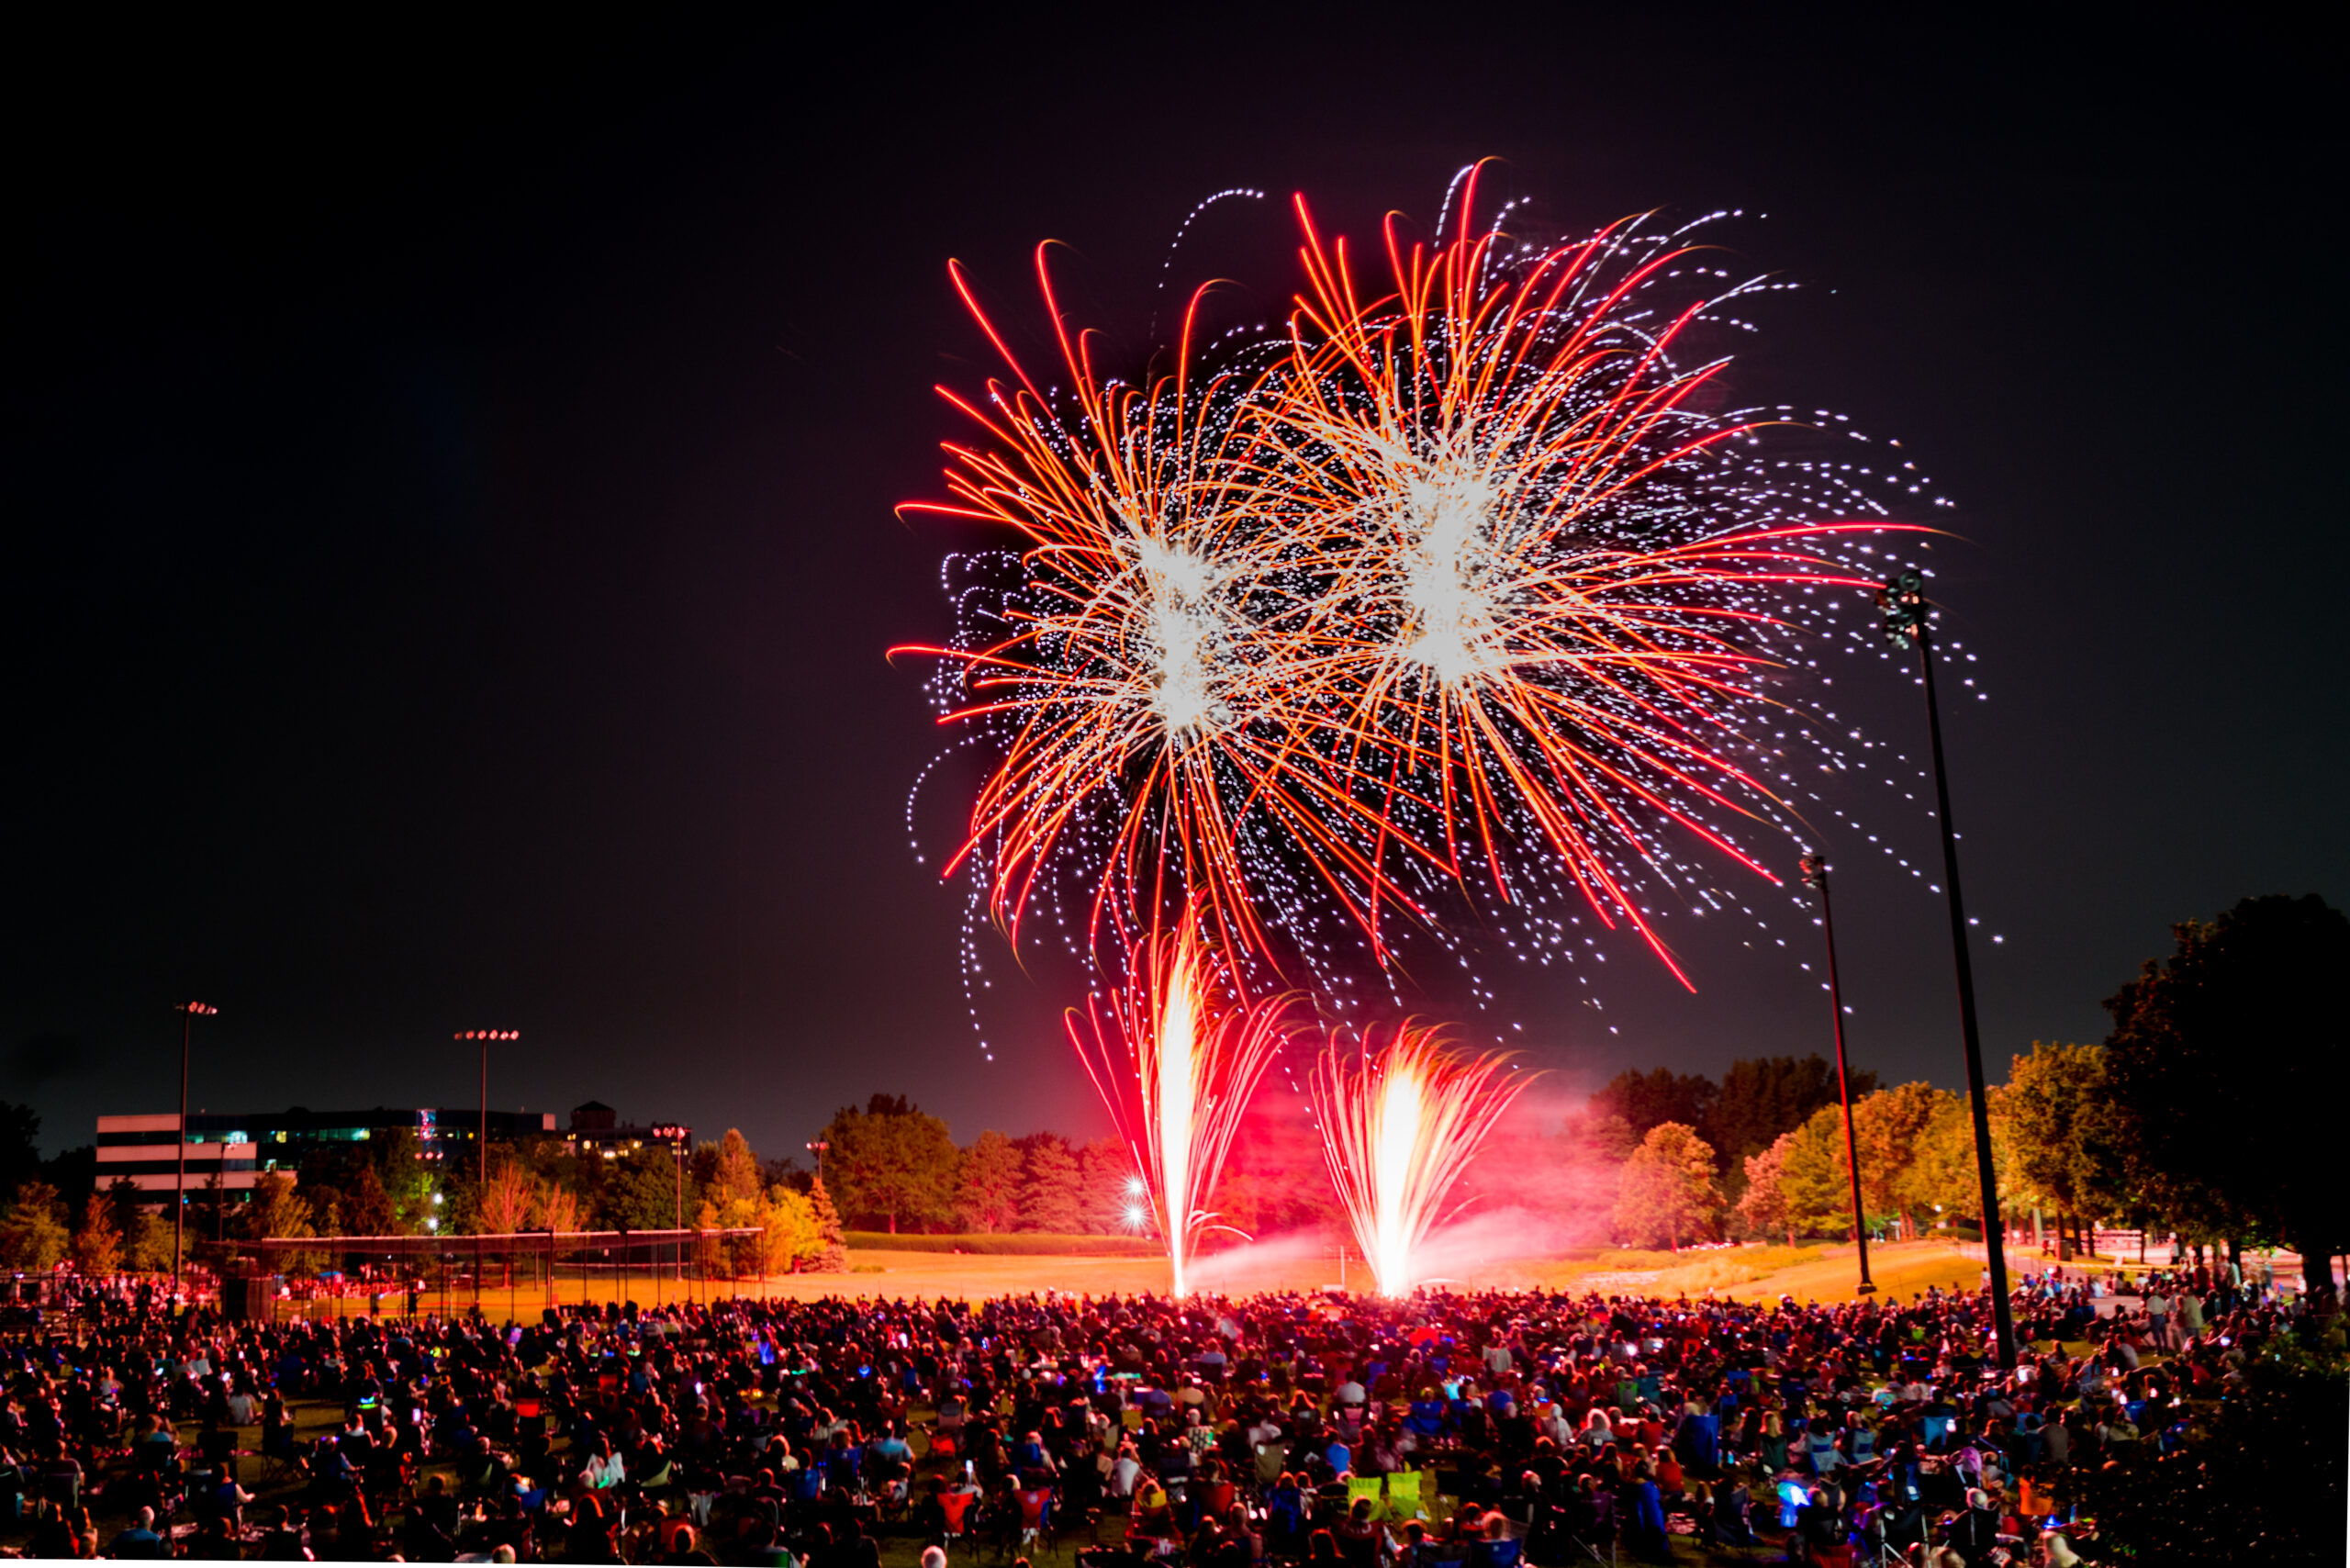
[1398,1128]
[1554,579]
[1134,705]
[1176,1063]
[1462,593]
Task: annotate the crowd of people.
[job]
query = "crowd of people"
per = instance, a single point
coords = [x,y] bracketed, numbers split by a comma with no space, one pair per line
[1486,1430]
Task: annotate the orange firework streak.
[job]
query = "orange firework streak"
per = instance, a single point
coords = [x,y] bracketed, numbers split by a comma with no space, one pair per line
[1177,1068]
[1141,675]
[1460,588]
[1466,451]
[1397,1130]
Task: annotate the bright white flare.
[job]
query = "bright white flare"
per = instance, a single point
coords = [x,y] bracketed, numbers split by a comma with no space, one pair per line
[1176,1062]
[1177,1090]
[1398,1128]
[1401,1114]
[1184,637]
[1443,569]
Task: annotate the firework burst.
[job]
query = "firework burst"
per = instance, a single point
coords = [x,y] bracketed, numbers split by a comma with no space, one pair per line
[1176,1059]
[1466,587]
[1557,581]
[1398,1127]
[1138,704]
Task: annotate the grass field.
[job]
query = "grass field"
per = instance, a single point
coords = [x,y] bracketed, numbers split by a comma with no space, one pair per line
[1746,1274]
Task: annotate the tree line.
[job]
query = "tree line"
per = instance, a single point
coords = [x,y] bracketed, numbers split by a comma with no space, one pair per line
[2207,1112]
[383,1187]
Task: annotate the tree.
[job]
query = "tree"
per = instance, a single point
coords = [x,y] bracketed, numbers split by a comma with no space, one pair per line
[405,1178]
[1106,1171]
[371,1211]
[1273,1179]
[505,1205]
[146,1239]
[2221,1065]
[987,1194]
[33,1236]
[1814,1181]
[1647,1100]
[1052,1191]
[789,1233]
[736,1178]
[1239,1202]
[277,1212]
[735,1199]
[555,1208]
[891,1163]
[212,1206]
[643,1192]
[1601,1138]
[785,1225]
[1765,1207]
[831,1255]
[147,1245]
[1762,1097]
[1887,1125]
[2057,1112]
[1668,1189]
[1942,1179]
[97,1246]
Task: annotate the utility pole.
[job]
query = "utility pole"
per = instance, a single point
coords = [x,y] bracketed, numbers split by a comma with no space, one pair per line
[481,1141]
[1907,618]
[1815,871]
[190,1012]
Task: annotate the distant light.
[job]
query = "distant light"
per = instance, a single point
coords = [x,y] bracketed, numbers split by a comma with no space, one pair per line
[1136,1187]
[1133,1215]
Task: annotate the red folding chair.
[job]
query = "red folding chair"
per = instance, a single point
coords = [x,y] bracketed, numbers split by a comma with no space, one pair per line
[956,1506]
[1036,1516]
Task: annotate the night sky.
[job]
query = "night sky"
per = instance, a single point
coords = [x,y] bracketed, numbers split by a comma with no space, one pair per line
[449,483]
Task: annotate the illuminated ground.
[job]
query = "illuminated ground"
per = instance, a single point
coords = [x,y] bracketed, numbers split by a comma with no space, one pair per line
[1903,1269]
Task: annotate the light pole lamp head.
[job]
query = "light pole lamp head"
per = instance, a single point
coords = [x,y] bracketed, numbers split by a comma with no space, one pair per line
[1903,600]
[201,1009]
[1814,869]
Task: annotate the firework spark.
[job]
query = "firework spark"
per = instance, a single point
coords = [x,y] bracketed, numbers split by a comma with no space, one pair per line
[1398,1127]
[1139,704]
[1177,1063]
[1467,586]
[1554,578]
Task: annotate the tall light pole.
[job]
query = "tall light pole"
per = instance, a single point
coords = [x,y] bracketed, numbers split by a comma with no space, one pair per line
[190,1012]
[819,1146]
[1815,871]
[481,1138]
[1906,616]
